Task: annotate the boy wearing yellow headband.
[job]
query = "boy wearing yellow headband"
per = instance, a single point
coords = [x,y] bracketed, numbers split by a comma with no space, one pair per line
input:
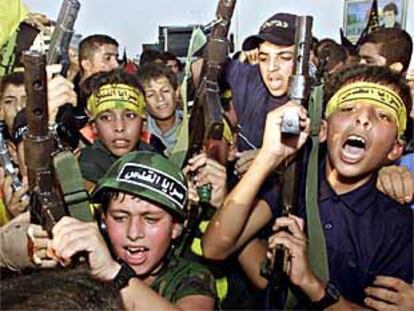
[367,234]
[115,107]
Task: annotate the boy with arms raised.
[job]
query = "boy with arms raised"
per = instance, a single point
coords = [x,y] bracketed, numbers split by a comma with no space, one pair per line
[367,234]
[143,198]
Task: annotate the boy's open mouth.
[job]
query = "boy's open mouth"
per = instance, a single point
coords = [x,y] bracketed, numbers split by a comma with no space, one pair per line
[354,148]
[136,254]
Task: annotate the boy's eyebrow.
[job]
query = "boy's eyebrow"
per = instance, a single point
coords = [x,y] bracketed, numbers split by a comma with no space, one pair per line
[111,54]
[153,213]
[119,210]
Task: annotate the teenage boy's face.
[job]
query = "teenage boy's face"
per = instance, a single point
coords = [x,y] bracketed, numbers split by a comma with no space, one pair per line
[276,66]
[104,59]
[140,232]
[160,99]
[389,18]
[361,138]
[173,65]
[369,54]
[118,129]
[13,100]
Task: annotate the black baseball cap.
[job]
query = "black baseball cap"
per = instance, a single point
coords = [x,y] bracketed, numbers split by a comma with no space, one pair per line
[279,30]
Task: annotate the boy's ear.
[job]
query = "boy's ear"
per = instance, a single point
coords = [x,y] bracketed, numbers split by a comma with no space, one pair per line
[85,65]
[397,67]
[94,129]
[323,132]
[177,229]
[396,152]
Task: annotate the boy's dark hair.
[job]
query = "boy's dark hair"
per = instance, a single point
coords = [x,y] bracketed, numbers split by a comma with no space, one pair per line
[170,56]
[58,289]
[375,74]
[151,56]
[15,78]
[90,44]
[395,45]
[115,76]
[104,199]
[331,53]
[391,7]
[153,71]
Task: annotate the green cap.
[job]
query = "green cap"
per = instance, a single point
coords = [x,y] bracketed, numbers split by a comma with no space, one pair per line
[150,176]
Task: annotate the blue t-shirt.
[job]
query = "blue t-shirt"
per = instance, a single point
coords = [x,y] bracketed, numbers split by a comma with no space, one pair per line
[252,102]
[408,161]
[367,234]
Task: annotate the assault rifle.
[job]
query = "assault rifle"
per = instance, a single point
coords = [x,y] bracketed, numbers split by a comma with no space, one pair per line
[59,53]
[62,35]
[299,90]
[46,184]
[8,166]
[206,121]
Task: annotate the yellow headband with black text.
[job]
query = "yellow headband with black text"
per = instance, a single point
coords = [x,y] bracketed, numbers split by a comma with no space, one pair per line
[375,94]
[113,96]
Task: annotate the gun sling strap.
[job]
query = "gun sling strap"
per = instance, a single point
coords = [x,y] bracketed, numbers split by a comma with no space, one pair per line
[317,247]
[71,182]
[317,254]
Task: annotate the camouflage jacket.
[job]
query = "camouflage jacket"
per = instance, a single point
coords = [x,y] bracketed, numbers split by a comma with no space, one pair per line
[181,277]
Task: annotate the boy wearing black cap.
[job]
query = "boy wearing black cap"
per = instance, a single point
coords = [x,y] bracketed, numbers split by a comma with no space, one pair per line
[257,90]
[143,198]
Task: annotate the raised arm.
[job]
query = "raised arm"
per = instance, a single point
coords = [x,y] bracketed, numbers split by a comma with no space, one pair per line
[241,216]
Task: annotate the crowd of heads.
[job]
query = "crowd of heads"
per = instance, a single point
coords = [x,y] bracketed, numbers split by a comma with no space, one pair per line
[130,113]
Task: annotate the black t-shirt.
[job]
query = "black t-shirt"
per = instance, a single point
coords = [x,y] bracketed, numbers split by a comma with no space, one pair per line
[95,160]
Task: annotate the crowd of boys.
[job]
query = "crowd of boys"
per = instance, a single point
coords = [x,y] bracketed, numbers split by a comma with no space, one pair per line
[143,246]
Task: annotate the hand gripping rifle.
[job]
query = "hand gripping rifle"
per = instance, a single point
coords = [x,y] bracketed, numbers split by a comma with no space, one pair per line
[59,53]
[299,90]
[50,197]
[206,120]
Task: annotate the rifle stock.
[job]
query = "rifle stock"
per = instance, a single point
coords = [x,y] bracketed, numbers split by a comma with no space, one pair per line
[46,206]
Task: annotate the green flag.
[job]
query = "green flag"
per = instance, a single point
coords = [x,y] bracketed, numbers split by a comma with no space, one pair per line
[12,12]
[178,154]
